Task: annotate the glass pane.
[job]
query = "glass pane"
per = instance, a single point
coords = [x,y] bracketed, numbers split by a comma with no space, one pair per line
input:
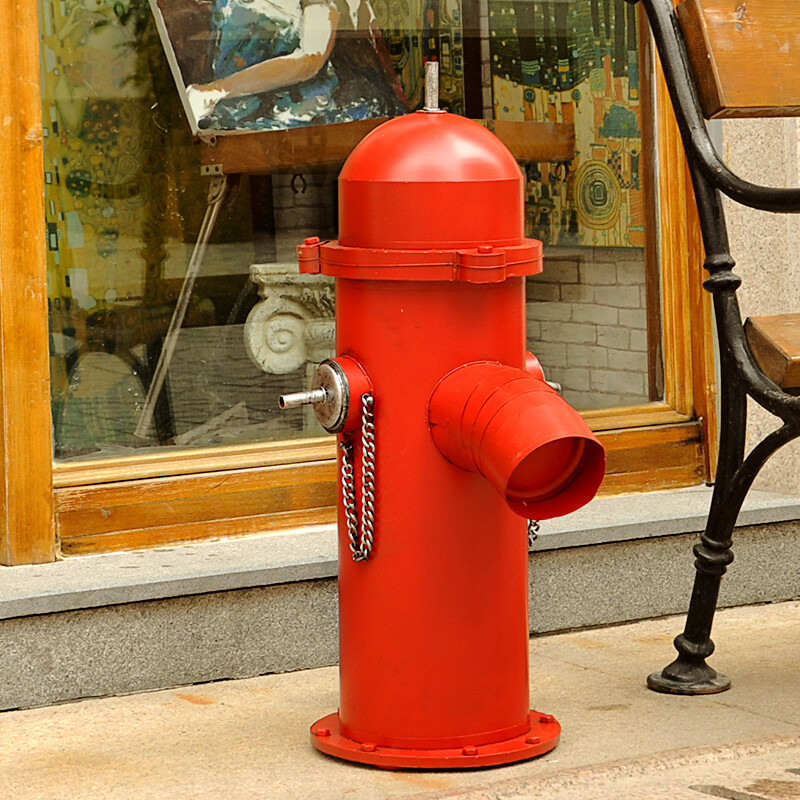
[158,341]
[577,62]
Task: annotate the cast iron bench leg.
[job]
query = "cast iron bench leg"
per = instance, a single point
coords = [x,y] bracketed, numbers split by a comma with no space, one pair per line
[689,673]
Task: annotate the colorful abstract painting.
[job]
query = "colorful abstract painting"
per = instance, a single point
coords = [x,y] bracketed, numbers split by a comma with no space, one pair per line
[577,62]
[416,31]
[255,65]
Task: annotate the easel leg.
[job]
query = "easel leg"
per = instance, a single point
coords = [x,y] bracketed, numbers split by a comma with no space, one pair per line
[216,195]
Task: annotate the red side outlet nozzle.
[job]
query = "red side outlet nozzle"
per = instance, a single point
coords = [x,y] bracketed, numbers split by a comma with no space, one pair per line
[516,431]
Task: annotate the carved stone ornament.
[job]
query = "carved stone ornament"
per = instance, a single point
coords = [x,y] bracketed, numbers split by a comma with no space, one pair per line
[293,322]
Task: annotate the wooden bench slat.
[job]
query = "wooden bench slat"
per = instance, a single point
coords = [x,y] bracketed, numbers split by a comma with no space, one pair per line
[745,55]
[775,344]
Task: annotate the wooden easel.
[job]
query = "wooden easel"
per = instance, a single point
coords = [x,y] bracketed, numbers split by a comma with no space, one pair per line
[308,149]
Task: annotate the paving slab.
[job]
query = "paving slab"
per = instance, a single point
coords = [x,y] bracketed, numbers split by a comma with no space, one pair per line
[248,739]
[763,770]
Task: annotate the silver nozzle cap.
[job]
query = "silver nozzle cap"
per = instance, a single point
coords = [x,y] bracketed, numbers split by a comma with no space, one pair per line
[329,394]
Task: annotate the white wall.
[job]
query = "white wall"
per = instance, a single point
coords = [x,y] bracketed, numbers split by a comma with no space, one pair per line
[766,248]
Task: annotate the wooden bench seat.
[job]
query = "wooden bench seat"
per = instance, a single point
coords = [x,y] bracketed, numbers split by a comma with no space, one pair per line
[775,344]
[745,55]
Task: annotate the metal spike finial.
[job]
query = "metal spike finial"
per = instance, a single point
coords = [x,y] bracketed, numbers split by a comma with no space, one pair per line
[432,86]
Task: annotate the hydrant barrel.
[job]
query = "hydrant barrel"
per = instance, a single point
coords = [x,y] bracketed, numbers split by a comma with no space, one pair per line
[442,604]
[430,269]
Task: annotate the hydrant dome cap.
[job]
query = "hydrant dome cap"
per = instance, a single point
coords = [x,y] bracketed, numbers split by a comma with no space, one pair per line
[425,147]
[431,181]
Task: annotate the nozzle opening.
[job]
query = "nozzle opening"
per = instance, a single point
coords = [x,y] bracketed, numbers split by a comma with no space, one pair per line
[510,426]
[556,478]
[546,471]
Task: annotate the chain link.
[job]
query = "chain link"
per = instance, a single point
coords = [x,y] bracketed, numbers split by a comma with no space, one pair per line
[367,474]
[533,532]
[349,494]
[360,547]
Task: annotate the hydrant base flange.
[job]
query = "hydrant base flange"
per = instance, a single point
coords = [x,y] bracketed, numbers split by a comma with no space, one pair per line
[541,738]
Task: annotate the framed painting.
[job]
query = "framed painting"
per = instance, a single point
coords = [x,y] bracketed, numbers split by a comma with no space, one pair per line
[258,65]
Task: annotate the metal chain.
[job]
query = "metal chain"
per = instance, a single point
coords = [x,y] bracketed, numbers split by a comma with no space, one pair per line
[533,532]
[360,547]
[349,495]
[367,475]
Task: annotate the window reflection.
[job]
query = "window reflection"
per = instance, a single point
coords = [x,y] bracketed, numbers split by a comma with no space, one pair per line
[578,63]
[125,199]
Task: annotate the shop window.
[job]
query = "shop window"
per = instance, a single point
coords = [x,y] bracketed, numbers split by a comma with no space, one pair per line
[592,319]
[125,203]
[164,385]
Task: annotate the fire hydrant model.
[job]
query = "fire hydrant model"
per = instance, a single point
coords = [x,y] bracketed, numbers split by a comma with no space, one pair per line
[449,438]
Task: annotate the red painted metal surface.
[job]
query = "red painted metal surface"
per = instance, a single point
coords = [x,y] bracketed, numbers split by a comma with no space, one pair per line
[428,182]
[434,627]
[512,428]
[484,264]
[359,383]
[542,736]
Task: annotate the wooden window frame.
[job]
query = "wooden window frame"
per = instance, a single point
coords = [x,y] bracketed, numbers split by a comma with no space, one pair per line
[51,509]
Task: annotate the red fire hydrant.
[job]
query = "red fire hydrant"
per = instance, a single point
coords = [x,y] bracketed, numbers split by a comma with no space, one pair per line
[446,443]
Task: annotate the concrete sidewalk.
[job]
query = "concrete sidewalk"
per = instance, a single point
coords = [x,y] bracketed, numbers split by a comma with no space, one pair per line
[237,740]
